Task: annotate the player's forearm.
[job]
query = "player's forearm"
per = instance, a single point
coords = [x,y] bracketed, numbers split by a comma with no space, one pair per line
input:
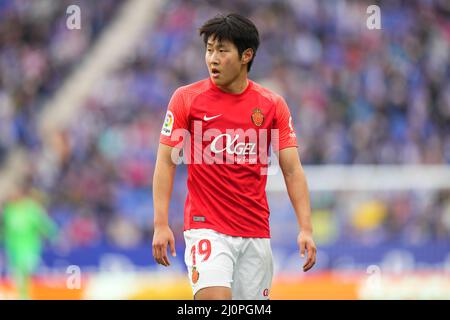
[162,190]
[297,188]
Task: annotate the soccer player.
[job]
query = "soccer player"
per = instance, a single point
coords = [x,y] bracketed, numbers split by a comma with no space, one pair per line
[223,126]
[25,225]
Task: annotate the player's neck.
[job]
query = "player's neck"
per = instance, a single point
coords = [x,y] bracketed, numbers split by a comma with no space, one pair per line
[237,86]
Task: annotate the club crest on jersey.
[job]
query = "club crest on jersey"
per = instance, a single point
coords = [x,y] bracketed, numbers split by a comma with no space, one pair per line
[168,124]
[257,117]
[195,275]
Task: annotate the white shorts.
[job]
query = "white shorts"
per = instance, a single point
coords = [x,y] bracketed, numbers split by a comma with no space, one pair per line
[243,264]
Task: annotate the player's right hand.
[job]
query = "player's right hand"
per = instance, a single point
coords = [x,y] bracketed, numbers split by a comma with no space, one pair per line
[161,237]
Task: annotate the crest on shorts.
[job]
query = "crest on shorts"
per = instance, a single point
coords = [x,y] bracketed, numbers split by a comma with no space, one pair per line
[195,275]
[257,117]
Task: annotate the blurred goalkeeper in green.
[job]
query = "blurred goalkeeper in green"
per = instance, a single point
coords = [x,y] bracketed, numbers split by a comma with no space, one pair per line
[25,226]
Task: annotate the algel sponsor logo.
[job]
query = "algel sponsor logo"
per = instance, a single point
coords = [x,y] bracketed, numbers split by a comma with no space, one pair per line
[232,147]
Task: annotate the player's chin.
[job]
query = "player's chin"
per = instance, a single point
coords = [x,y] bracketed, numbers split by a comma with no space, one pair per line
[217,79]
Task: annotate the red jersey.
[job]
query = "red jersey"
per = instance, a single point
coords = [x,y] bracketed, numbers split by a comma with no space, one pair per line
[225,139]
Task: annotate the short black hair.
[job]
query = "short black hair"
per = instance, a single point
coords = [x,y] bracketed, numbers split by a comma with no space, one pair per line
[234,28]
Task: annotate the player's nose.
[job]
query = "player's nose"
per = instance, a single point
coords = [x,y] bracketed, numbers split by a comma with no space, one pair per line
[214,60]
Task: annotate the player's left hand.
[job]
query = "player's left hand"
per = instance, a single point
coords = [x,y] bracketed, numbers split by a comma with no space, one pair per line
[306,243]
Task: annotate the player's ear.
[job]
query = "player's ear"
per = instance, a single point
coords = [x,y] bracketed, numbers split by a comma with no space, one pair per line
[247,56]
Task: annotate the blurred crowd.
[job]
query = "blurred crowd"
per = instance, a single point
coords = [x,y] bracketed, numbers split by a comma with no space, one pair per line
[37,52]
[357,96]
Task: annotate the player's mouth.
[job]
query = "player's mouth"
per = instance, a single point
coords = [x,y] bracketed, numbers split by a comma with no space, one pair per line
[215,73]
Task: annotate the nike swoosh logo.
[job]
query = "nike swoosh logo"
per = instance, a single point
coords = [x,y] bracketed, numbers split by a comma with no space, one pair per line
[210,118]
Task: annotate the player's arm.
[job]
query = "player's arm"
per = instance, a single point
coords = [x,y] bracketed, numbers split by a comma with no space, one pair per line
[45,224]
[297,188]
[162,189]
[2,224]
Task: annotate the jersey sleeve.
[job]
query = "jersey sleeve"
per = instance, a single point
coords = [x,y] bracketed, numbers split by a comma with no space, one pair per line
[176,121]
[285,135]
